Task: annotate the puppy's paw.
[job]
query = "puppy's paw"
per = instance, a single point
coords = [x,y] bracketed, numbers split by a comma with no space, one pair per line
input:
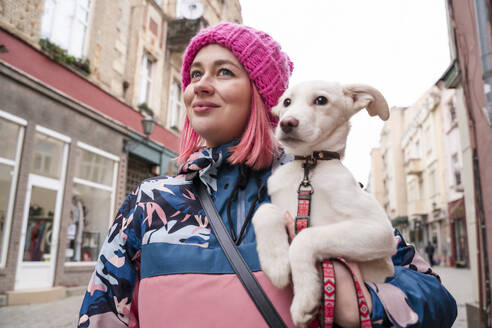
[277,269]
[303,309]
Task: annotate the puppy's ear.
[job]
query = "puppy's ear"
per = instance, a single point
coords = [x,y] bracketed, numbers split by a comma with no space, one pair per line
[365,96]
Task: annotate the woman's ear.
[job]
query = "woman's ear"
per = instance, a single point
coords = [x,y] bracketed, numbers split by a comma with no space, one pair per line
[365,96]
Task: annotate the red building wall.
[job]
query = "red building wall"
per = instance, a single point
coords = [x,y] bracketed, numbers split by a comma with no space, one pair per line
[469,56]
[31,61]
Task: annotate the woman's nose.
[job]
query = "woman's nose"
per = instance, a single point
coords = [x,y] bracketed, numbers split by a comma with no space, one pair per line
[204,86]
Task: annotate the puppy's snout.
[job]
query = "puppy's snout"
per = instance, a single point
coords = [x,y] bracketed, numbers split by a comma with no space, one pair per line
[288,123]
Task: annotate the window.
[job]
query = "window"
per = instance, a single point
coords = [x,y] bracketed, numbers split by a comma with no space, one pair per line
[175,106]
[452,111]
[65,22]
[416,149]
[432,180]
[412,192]
[92,204]
[456,170]
[179,8]
[11,134]
[145,80]
[47,154]
[428,139]
[47,174]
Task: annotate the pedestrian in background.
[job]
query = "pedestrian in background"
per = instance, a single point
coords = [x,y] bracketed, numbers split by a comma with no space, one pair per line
[429,250]
[161,265]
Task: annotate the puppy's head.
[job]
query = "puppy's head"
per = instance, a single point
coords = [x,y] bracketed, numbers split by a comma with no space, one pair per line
[315,115]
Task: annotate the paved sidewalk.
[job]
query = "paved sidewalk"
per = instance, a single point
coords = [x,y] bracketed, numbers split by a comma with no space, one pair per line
[459,284]
[59,314]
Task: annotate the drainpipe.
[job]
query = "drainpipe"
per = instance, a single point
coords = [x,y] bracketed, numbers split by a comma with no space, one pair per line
[482,12]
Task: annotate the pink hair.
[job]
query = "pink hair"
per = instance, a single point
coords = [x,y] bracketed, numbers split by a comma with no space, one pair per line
[256,147]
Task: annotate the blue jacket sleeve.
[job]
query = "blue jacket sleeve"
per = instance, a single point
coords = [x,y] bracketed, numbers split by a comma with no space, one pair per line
[108,297]
[414,296]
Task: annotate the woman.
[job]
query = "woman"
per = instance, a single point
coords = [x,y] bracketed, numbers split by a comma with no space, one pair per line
[160,243]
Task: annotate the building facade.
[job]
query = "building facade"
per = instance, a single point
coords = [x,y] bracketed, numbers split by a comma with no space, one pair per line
[470,74]
[78,78]
[417,148]
[391,173]
[453,159]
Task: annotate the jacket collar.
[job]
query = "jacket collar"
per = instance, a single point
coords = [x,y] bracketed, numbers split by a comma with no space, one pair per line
[205,163]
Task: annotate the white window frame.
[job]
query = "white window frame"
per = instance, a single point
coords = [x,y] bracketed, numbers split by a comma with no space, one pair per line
[86,25]
[175,106]
[179,4]
[13,185]
[91,184]
[145,88]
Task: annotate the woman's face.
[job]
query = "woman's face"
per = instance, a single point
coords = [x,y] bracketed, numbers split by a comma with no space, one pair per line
[218,98]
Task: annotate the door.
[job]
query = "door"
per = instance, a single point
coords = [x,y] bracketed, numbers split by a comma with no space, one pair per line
[42,211]
[39,236]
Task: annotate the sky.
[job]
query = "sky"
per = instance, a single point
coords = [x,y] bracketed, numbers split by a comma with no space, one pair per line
[399,47]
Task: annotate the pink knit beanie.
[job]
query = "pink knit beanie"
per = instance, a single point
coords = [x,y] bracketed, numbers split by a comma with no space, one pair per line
[261,56]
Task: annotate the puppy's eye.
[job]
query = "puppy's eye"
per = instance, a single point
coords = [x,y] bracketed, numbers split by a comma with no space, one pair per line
[287,102]
[321,100]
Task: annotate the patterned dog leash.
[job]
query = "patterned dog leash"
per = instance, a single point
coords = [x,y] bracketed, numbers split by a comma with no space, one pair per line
[326,315]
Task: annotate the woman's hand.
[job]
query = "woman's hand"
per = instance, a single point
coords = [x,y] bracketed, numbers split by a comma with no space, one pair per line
[346,305]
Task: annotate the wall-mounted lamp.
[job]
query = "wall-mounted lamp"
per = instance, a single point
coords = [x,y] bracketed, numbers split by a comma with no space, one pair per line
[148,125]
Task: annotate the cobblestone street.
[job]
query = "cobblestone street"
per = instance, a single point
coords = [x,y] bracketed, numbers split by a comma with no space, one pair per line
[60,314]
[63,313]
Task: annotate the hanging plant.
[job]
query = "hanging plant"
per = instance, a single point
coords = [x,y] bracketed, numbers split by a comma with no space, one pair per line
[60,55]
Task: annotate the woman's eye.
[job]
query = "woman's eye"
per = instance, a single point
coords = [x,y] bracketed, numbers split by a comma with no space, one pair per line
[225,72]
[321,100]
[287,102]
[195,74]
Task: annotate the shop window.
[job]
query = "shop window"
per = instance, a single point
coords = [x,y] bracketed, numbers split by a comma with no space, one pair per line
[39,232]
[11,134]
[65,22]
[92,205]
[175,106]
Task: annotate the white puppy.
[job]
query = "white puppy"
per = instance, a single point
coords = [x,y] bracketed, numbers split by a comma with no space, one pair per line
[345,220]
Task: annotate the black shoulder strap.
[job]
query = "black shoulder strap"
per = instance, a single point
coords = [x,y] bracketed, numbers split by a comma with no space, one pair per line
[237,262]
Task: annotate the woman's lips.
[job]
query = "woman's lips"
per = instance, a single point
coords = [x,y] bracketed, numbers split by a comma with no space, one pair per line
[203,106]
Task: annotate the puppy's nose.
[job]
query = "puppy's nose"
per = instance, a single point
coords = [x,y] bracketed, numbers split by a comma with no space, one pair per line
[288,123]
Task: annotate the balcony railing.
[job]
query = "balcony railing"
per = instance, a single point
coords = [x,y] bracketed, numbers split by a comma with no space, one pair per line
[416,207]
[413,166]
[181,30]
